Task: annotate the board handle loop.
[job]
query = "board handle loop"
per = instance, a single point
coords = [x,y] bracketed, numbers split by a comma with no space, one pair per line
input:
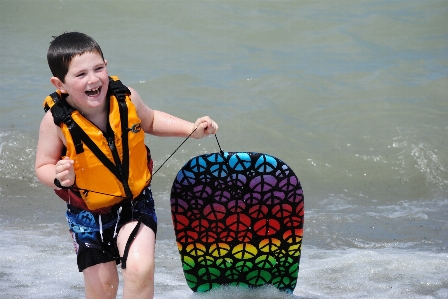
[220,149]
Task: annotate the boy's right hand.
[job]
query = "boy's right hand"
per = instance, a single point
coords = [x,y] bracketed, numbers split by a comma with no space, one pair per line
[65,172]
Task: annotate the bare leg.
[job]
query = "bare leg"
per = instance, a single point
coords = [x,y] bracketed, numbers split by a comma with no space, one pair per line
[138,276]
[101,281]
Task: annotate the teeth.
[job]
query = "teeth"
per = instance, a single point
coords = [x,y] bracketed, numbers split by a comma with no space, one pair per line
[92,92]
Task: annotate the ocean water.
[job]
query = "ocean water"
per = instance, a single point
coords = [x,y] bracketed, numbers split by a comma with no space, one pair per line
[352,95]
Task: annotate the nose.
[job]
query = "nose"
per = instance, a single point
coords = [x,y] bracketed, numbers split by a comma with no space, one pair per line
[92,78]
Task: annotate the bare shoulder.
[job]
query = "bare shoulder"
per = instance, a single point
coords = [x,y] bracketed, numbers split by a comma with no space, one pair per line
[49,130]
[47,121]
[145,113]
[51,141]
[135,97]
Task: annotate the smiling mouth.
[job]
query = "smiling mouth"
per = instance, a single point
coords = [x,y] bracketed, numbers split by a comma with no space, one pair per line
[93,92]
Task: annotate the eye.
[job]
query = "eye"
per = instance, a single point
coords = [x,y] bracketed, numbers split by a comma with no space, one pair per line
[80,75]
[100,68]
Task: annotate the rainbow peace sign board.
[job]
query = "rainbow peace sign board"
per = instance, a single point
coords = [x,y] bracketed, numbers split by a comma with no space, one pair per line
[238,221]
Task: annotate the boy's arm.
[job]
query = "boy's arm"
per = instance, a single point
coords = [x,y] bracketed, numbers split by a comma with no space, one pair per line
[163,124]
[48,164]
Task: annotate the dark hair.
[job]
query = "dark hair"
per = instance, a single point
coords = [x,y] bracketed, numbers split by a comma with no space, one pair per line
[66,46]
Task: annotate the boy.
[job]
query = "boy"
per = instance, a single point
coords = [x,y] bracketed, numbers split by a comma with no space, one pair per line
[91,151]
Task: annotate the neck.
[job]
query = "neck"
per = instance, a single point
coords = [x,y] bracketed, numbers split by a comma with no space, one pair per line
[97,115]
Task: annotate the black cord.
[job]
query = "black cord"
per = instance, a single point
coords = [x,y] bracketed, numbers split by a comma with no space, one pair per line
[220,150]
[174,151]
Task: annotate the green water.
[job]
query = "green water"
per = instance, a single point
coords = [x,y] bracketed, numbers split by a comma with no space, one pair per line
[350,94]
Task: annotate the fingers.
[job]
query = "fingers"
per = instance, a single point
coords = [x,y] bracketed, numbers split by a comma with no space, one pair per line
[212,128]
[204,127]
[65,172]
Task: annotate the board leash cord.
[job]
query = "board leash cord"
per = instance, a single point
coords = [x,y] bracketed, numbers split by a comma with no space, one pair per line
[216,137]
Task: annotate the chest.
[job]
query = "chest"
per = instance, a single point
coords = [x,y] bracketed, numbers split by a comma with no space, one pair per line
[99,120]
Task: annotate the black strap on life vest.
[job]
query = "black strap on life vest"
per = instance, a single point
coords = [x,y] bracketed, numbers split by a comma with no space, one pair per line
[120,91]
[62,111]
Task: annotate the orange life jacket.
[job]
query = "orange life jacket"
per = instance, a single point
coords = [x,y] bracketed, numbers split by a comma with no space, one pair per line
[109,166]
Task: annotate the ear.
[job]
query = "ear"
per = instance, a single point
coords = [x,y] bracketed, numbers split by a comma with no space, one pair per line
[58,84]
[105,62]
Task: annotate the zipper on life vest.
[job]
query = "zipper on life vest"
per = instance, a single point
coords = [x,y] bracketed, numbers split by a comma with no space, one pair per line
[124,181]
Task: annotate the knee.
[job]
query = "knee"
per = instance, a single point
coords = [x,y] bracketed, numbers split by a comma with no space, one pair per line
[138,280]
[138,276]
[100,284]
[139,273]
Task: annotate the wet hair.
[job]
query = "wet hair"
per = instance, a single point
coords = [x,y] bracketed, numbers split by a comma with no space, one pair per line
[66,46]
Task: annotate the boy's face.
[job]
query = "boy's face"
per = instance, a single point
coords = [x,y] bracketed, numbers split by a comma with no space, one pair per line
[86,81]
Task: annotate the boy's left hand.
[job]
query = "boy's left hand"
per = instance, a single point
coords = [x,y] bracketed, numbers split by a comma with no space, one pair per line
[205,126]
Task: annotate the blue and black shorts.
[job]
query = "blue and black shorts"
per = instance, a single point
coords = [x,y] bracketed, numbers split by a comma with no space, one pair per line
[94,235]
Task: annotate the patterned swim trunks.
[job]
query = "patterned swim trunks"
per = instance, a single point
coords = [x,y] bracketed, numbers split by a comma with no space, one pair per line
[94,235]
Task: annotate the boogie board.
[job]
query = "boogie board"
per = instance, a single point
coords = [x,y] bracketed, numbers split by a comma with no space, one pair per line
[238,221]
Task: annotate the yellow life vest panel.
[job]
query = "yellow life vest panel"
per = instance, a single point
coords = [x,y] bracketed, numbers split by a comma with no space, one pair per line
[109,166]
